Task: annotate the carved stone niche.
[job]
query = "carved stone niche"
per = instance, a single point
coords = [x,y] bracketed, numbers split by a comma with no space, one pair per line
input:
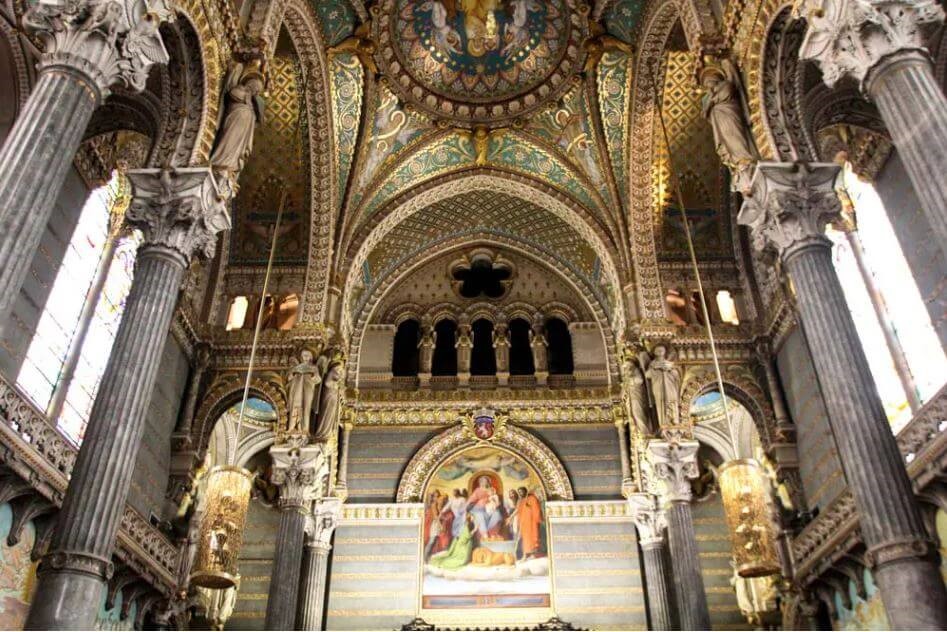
[481,274]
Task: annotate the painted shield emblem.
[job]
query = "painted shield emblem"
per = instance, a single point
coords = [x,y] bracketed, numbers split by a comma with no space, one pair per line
[484,427]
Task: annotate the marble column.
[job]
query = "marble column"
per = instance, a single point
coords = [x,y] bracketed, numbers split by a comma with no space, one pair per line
[299,473]
[882,46]
[87,49]
[179,213]
[651,522]
[312,597]
[788,211]
[673,464]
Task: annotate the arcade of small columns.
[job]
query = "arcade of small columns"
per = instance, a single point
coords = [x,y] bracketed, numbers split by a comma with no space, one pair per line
[180,212]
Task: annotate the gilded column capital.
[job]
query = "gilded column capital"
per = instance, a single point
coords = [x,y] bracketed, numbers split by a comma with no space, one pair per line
[300,474]
[650,519]
[852,37]
[790,204]
[672,466]
[112,42]
[178,209]
[325,518]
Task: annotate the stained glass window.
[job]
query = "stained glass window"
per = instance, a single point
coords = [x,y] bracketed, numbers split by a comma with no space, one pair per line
[95,276]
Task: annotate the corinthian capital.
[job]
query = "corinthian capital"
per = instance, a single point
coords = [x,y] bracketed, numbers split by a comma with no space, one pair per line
[650,519]
[180,209]
[326,515]
[300,474]
[790,204]
[673,465]
[850,37]
[113,42]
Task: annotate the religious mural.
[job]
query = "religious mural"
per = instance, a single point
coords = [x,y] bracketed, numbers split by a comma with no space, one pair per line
[17,573]
[484,532]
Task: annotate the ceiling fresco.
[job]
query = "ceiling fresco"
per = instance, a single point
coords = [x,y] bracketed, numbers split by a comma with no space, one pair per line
[479,62]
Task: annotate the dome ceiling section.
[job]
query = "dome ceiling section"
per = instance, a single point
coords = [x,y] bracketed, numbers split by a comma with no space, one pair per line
[480,62]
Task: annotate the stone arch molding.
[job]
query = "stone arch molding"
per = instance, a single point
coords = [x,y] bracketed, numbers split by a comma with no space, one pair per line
[520,442]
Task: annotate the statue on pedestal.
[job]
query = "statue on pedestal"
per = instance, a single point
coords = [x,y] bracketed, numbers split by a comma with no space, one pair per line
[303,380]
[242,111]
[665,383]
[327,418]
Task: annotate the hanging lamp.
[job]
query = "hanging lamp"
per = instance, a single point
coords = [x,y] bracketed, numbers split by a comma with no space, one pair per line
[227,495]
[744,487]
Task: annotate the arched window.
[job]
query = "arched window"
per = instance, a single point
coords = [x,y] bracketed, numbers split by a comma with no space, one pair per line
[521,354]
[881,294]
[560,347]
[68,353]
[483,360]
[404,358]
[444,361]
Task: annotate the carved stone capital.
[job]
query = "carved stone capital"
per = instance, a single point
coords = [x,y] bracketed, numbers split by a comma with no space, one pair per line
[790,204]
[300,474]
[673,465]
[112,42]
[179,209]
[75,562]
[649,518]
[851,37]
[326,515]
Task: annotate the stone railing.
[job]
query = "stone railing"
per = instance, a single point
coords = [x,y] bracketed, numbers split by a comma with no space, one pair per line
[38,453]
[835,532]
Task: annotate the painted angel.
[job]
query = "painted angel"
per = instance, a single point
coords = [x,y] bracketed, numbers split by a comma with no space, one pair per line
[444,35]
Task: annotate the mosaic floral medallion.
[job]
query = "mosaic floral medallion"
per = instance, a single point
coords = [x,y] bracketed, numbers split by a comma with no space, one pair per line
[480,62]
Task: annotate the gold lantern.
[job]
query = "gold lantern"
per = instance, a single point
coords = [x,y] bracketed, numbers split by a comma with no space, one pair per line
[748,504]
[221,535]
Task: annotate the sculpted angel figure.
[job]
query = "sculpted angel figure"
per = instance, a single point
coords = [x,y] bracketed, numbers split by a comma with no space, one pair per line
[328,417]
[722,105]
[426,349]
[634,387]
[243,111]
[303,380]
[665,383]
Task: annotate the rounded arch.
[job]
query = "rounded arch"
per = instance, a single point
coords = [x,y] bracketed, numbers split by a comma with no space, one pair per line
[14,72]
[371,301]
[454,440]
[738,385]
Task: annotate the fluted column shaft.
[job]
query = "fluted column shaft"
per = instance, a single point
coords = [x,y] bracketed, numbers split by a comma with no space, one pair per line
[621,428]
[685,563]
[72,577]
[914,110]
[341,477]
[34,161]
[312,597]
[657,585]
[287,565]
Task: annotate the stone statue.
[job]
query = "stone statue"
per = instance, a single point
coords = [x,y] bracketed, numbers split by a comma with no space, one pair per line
[635,395]
[464,345]
[243,110]
[722,105]
[328,415]
[303,380]
[501,349]
[426,346]
[665,383]
[537,342]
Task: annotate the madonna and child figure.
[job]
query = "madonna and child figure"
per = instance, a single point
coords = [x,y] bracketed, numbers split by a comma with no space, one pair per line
[484,532]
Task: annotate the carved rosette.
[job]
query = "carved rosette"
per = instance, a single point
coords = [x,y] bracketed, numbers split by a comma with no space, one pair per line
[110,41]
[790,205]
[650,519]
[178,209]
[673,465]
[300,474]
[850,37]
[325,518]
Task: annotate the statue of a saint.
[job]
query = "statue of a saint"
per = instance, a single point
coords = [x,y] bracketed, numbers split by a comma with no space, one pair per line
[634,386]
[665,382]
[426,349]
[537,342]
[243,109]
[501,349]
[722,105]
[463,345]
[303,380]
[328,417]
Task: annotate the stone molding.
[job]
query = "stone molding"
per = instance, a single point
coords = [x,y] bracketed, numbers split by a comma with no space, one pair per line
[111,42]
[380,513]
[851,37]
[671,466]
[179,209]
[790,205]
[582,510]
[300,474]
[649,518]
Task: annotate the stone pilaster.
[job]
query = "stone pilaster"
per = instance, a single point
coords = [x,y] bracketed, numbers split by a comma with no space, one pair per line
[673,465]
[341,477]
[300,474]
[179,213]
[882,45]
[788,211]
[651,522]
[87,48]
[312,597]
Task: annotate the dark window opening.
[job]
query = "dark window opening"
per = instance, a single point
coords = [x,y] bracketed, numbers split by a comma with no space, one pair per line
[405,356]
[444,361]
[482,278]
[560,347]
[482,358]
[521,354]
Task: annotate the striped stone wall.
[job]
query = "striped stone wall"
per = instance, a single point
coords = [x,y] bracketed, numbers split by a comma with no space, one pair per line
[819,466]
[596,569]
[374,571]
[713,543]
[590,456]
[256,563]
[377,457]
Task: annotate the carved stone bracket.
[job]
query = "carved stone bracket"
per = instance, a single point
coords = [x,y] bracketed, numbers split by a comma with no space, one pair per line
[649,518]
[851,37]
[325,518]
[300,474]
[672,466]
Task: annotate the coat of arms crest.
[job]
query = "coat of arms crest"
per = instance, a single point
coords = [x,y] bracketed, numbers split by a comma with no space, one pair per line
[484,425]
